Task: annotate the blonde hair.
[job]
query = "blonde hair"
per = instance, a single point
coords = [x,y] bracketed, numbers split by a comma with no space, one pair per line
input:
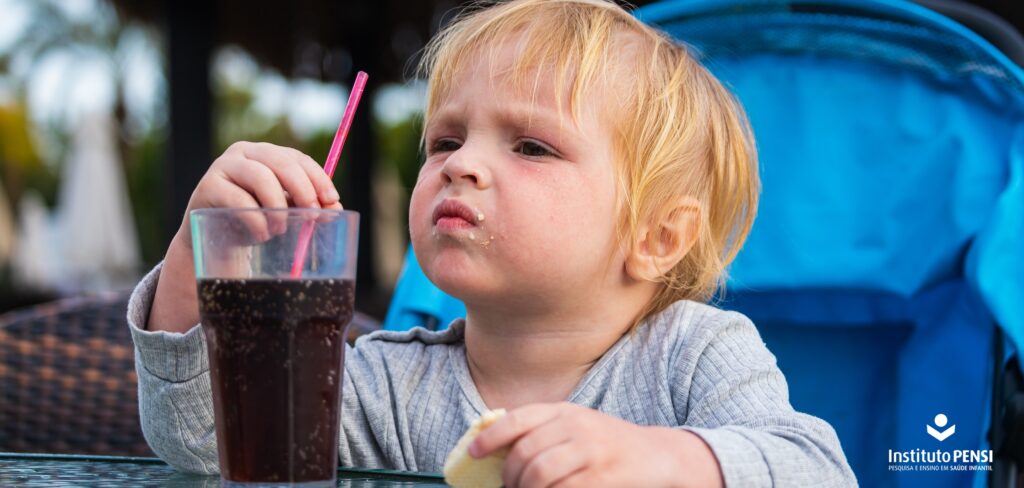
[679,132]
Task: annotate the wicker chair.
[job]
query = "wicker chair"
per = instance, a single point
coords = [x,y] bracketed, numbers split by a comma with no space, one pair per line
[67,378]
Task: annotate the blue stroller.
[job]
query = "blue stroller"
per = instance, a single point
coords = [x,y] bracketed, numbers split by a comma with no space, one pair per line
[884,269]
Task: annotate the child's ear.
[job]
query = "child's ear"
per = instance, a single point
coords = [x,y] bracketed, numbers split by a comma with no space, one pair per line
[662,243]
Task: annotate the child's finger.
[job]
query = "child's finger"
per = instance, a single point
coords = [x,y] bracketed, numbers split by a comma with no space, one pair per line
[228,195]
[325,217]
[507,429]
[325,189]
[531,445]
[260,181]
[284,162]
[328,217]
[552,466]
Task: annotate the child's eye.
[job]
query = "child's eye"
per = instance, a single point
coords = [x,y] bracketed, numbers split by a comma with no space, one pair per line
[445,145]
[533,149]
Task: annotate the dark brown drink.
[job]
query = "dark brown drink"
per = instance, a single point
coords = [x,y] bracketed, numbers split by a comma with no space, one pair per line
[276,361]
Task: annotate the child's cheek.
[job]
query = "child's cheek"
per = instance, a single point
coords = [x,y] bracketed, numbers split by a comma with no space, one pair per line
[569,213]
[538,222]
[419,206]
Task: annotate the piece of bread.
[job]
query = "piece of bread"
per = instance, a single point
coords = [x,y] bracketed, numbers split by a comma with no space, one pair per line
[464,471]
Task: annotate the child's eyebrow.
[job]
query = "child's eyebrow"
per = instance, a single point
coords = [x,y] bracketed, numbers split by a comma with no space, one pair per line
[518,116]
[441,120]
[526,117]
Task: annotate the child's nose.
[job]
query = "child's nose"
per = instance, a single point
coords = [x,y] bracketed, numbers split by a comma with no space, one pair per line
[462,167]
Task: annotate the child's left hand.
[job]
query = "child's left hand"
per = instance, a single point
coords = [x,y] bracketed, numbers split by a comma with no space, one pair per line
[563,445]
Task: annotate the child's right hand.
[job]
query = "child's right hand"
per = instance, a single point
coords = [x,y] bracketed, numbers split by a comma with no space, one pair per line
[254,175]
[247,175]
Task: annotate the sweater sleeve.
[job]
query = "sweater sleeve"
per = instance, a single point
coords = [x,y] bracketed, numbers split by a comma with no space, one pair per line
[738,403]
[175,403]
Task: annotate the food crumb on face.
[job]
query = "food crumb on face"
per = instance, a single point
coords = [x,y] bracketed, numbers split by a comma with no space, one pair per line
[480,217]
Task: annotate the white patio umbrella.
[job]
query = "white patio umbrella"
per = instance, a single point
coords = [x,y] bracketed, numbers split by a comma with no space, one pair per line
[96,228]
[34,263]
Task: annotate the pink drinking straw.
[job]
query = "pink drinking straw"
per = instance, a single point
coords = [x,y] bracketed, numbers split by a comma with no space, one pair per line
[306,233]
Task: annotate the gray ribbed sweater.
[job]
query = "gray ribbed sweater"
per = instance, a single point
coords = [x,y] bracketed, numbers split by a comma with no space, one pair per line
[408,396]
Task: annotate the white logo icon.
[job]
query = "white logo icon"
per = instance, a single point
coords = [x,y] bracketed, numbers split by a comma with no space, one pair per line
[941,421]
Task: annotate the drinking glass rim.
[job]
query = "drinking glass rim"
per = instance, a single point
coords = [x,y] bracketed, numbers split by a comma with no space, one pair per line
[289,210]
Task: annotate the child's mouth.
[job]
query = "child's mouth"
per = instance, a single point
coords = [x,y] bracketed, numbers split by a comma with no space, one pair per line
[448,224]
[452,215]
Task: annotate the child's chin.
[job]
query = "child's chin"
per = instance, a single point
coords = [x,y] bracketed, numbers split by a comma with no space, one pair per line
[456,272]
[461,283]
[456,284]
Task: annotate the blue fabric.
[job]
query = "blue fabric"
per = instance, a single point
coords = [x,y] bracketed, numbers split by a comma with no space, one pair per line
[880,367]
[886,247]
[418,303]
[950,81]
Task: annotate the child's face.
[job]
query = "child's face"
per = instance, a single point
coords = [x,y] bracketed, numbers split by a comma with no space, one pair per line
[526,198]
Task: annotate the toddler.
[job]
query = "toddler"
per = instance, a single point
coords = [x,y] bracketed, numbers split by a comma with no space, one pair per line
[586,183]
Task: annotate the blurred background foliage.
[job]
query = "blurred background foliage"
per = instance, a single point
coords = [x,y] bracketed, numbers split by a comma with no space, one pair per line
[59,61]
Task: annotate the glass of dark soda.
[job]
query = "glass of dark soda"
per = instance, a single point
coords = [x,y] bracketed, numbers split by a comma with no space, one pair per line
[276,291]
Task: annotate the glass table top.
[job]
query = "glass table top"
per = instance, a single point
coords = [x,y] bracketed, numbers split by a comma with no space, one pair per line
[63,470]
